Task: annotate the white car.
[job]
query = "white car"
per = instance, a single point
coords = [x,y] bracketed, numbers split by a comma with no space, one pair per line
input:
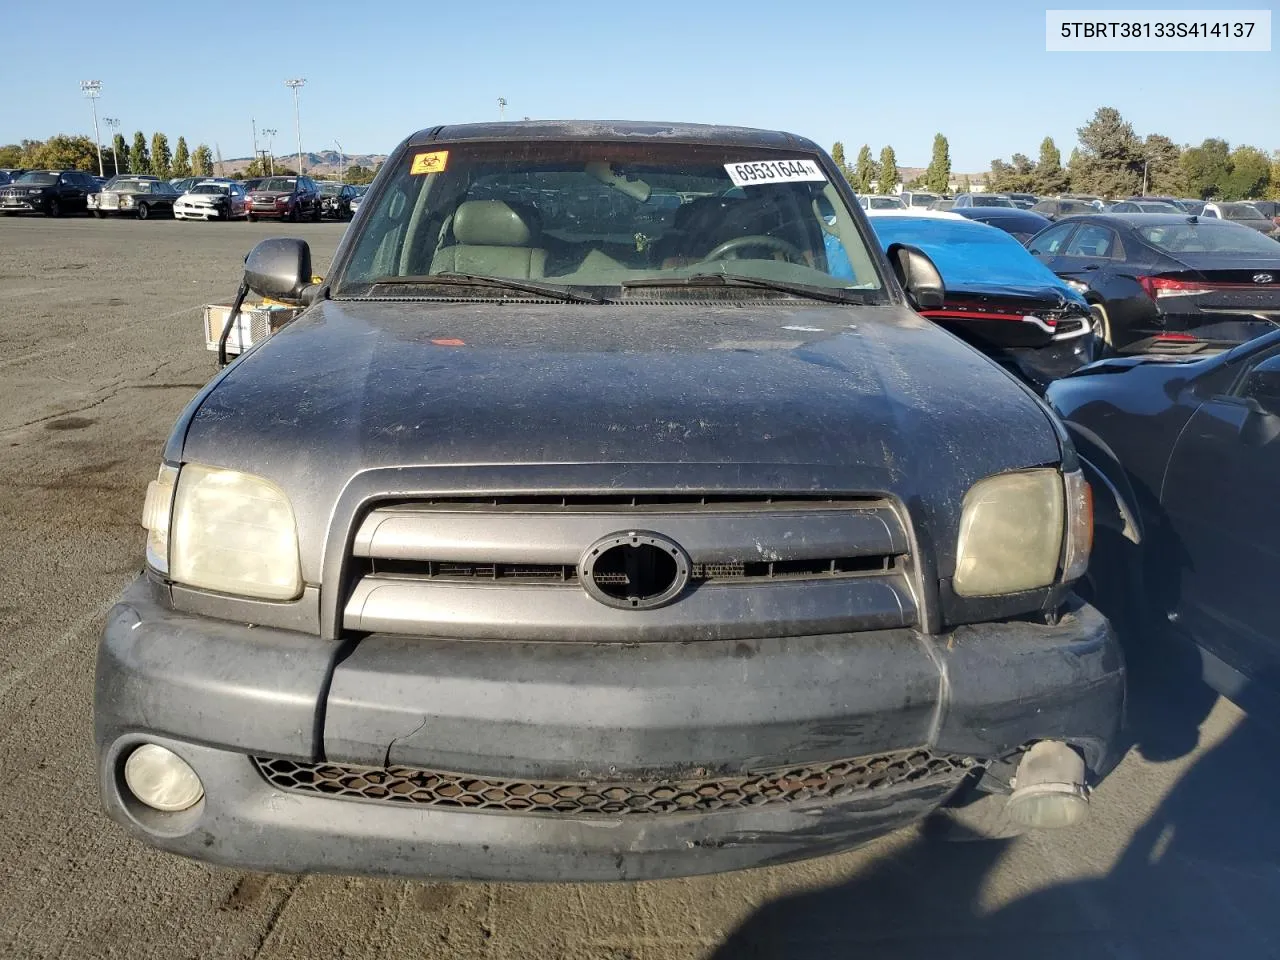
[880,202]
[212,200]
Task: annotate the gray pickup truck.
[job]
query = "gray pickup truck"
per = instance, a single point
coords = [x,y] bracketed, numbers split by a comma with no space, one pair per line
[557,539]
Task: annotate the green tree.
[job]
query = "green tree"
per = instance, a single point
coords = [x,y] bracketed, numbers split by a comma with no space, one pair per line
[1109,162]
[865,171]
[11,155]
[965,185]
[1206,168]
[161,158]
[1249,176]
[888,171]
[1000,178]
[1050,178]
[938,174]
[202,161]
[62,152]
[1273,192]
[1164,169]
[359,175]
[837,154]
[139,155]
[181,159]
[121,149]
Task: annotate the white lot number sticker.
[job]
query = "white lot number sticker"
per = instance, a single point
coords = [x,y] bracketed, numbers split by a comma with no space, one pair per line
[753,172]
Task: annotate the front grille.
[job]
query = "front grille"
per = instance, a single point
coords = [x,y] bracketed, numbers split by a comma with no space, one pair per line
[822,781]
[815,568]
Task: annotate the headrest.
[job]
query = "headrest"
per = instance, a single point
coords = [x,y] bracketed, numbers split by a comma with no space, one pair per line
[492,223]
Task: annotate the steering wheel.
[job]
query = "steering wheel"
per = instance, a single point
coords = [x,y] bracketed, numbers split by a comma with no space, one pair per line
[789,250]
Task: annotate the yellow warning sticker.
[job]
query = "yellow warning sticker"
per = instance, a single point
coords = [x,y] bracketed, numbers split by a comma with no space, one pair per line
[430,162]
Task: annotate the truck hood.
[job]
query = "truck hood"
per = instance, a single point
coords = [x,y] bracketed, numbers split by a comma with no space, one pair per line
[872,399]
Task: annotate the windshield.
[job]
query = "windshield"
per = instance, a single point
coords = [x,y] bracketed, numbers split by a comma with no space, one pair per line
[885,203]
[132,186]
[603,214]
[1157,207]
[923,199]
[330,189]
[1210,237]
[211,188]
[280,184]
[992,202]
[43,179]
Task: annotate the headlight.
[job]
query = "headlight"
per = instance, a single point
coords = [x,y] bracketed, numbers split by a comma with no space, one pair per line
[233,533]
[1011,533]
[126,201]
[155,517]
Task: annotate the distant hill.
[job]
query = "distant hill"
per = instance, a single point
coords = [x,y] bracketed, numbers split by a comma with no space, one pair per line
[323,164]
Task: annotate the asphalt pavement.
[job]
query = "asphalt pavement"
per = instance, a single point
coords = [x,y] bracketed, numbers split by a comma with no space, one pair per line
[100,348]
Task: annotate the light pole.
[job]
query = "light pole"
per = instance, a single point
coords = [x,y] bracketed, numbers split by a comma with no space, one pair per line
[270,134]
[114,124]
[1145,161]
[93,90]
[502,108]
[342,163]
[296,85]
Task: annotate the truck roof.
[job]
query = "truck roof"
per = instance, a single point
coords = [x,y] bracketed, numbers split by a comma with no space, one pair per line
[613,130]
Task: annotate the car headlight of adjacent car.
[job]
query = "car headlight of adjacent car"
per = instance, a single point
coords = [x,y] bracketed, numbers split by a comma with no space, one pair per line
[1022,531]
[223,530]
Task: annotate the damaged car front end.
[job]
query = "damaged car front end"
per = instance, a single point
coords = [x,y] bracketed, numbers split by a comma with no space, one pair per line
[534,549]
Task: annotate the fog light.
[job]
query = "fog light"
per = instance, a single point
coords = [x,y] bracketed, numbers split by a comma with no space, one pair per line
[1050,791]
[161,779]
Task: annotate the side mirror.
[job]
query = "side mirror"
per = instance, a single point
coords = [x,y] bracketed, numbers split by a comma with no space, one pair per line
[279,268]
[1262,386]
[918,276]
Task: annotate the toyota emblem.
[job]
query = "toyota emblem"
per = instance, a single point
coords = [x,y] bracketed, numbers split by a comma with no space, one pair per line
[635,570]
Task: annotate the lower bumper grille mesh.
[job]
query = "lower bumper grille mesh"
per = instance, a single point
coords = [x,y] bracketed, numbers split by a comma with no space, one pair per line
[577,798]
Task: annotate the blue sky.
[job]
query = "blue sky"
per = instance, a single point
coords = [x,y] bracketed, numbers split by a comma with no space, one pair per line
[978,73]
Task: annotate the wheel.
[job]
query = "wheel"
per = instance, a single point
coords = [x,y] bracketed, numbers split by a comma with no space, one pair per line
[1101,325]
[144,211]
[55,207]
[251,218]
[294,214]
[101,214]
[317,213]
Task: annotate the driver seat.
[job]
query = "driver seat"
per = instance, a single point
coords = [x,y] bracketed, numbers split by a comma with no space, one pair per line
[493,239]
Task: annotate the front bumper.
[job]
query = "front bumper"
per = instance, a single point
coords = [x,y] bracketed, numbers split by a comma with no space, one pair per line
[220,694]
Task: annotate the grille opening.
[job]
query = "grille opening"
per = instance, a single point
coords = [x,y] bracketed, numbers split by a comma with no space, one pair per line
[634,572]
[642,500]
[677,795]
[564,573]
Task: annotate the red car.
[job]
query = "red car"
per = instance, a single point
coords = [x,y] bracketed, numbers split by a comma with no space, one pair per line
[285,198]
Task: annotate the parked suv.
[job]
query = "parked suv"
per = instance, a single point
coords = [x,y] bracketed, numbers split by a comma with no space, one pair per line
[285,198]
[542,546]
[51,192]
[335,199]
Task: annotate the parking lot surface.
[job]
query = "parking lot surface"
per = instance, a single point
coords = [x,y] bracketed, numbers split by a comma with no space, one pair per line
[101,348]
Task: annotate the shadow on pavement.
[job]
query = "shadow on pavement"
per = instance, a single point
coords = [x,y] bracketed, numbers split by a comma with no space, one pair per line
[1200,878]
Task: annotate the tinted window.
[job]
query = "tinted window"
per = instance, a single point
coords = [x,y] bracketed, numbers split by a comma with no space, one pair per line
[1093,242]
[992,202]
[1240,211]
[1212,237]
[1050,242]
[279,184]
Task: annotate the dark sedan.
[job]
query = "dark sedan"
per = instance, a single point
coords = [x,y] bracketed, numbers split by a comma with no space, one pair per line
[1183,457]
[135,197]
[1167,281]
[286,198]
[1056,207]
[335,199]
[997,297]
[51,192]
[1021,224]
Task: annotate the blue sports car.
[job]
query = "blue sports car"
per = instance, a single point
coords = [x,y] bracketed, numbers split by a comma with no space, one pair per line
[999,298]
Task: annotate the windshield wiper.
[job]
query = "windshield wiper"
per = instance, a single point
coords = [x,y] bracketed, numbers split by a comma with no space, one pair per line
[808,290]
[553,291]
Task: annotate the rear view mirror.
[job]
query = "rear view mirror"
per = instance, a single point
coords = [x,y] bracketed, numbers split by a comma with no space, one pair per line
[1262,386]
[279,268]
[918,276]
